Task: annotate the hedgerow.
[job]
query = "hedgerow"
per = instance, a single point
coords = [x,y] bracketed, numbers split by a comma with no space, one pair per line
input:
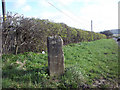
[21,34]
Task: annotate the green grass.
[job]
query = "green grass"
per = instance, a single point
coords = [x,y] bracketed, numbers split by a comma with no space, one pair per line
[87,64]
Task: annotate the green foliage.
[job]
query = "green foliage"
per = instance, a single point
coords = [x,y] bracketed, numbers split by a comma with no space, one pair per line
[94,59]
[86,64]
[30,34]
[107,33]
[72,78]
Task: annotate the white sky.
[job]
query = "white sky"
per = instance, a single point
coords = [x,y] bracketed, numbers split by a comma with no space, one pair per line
[77,13]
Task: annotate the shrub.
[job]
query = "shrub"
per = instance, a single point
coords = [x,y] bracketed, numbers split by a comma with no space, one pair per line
[22,34]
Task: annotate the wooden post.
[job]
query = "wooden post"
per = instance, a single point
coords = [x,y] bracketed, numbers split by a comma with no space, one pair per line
[55,56]
[1,47]
[3,10]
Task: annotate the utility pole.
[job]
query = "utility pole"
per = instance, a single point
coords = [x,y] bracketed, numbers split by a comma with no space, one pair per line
[3,10]
[91,30]
[3,24]
[91,26]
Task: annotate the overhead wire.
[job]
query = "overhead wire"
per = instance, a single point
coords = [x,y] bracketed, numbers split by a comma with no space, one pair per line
[73,19]
[76,17]
[69,10]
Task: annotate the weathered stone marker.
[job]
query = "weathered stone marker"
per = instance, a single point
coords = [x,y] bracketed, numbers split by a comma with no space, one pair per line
[55,55]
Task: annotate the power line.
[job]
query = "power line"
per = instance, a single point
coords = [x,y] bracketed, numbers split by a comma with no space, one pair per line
[70,11]
[59,9]
[83,19]
[63,12]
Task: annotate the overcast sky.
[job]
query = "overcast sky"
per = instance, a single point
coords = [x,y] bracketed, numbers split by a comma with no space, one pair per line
[74,13]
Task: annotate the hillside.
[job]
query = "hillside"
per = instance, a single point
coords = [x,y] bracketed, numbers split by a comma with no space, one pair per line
[87,65]
[115,31]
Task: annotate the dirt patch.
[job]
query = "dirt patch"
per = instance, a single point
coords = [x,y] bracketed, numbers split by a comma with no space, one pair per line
[104,83]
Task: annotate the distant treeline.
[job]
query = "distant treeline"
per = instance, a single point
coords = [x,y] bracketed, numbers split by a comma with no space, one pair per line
[22,34]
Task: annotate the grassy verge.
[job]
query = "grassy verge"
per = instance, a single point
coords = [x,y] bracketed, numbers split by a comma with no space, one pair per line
[87,64]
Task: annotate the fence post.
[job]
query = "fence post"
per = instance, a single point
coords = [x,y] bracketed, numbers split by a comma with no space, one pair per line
[55,55]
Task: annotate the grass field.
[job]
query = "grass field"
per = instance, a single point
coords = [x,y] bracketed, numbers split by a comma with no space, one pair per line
[87,65]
